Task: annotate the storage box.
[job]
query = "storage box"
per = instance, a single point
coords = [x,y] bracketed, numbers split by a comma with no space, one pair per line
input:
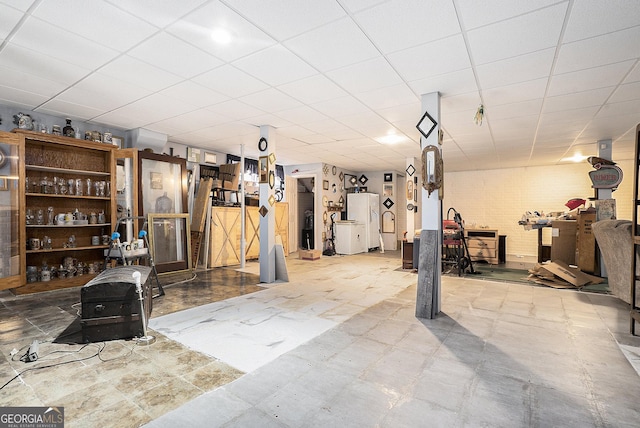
[111,304]
[309,254]
[563,241]
[586,244]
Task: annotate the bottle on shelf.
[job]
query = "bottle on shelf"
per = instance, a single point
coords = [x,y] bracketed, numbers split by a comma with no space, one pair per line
[68,130]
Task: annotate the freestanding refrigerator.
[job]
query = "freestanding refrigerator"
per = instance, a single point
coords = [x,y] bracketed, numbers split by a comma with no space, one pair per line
[365,208]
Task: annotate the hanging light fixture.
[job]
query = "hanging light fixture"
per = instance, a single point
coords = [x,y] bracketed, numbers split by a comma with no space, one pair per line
[479,115]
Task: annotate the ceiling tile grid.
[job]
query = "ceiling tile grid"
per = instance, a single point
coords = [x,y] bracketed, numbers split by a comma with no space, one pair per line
[552,75]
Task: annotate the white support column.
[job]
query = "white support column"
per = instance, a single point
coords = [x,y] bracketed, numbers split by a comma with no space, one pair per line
[605,151]
[268,221]
[413,191]
[243,212]
[428,301]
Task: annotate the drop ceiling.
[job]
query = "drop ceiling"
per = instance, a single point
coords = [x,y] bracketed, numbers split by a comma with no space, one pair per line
[334,77]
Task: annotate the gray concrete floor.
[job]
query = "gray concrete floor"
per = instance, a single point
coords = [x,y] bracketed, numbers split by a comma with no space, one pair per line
[498,355]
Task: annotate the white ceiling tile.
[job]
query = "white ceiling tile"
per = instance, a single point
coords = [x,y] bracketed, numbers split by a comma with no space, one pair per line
[283,19]
[58,107]
[268,119]
[590,18]
[150,109]
[467,103]
[575,117]
[61,44]
[476,14]
[9,17]
[516,69]
[595,97]
[508,111]
[235,109]
[169,53]
[294,130]
[275,65]
[358,5]
[333,45]
[47,68]
[628,92]
[524,34]
[36,84]
[22,5]
[368,123]
[301,115]
[194,94]
[270,100]
[192,121]
[230,81]
[515,93]
[620,109]
[139,73]
[30,100]
[339,107]
[158,12]
[388,97]
[365,76]
[420,62]
[591,78]
[607,49]
[196,29]
[103,92]
[402,112]
[96,20]
[408,23]
[634,75]
[448,84]
[314,89]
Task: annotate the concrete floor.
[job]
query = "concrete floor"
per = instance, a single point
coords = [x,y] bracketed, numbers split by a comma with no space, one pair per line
[339,345]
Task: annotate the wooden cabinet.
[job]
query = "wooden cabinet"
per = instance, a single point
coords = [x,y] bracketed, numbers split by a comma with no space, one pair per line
[483,244]
[224,249]
[68,208]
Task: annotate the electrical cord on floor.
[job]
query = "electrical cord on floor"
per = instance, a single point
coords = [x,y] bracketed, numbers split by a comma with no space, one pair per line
[193,277]
[101,347]
[56,364]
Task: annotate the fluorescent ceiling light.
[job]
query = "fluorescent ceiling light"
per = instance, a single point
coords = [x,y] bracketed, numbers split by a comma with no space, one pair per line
[575,158]
[391,139]
[221,36]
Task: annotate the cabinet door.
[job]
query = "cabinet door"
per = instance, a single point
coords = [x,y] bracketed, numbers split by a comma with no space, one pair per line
[282,224]
[252,233]
[225,237]
[12,206]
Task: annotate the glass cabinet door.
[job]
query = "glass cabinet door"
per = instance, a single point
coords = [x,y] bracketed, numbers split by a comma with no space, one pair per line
[12,207]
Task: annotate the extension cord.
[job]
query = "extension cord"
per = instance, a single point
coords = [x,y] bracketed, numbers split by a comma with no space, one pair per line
[32,353]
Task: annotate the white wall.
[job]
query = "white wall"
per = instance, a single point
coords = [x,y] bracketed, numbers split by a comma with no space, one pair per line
[498,198]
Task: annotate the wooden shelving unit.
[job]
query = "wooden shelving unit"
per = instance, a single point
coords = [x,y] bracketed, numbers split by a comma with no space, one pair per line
[635,230]
[62,160]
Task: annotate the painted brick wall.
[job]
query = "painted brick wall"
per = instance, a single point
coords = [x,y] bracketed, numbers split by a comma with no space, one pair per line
[498,198]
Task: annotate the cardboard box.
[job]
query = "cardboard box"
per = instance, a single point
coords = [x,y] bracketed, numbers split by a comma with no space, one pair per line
[563,241]
[309,254]
[586,245]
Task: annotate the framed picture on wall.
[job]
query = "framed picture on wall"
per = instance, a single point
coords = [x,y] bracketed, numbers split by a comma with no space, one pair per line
[325,184]
[387,190]
[388,177]
[263,168]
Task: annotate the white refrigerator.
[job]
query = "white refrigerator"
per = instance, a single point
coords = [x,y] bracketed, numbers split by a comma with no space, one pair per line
[365,208]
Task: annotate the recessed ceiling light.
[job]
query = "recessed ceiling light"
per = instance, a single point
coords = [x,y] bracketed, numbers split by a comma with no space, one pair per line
[391,139]
[575,158]
[221,36]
